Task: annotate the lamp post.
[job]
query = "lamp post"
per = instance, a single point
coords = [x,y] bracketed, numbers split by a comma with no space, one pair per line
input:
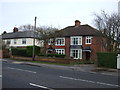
[33,56]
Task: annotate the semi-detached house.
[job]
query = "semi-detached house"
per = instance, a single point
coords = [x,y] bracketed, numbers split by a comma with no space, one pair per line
[20,39]
[78,41]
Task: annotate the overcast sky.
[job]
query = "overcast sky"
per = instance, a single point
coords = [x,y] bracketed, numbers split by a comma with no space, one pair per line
[58,13]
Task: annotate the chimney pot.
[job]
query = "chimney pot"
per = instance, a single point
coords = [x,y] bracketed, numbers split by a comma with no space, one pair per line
[15,29]
[77,23]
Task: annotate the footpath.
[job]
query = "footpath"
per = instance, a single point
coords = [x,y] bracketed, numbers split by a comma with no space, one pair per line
[91,68]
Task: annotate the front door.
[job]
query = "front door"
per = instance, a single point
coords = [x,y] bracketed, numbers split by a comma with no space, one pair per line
[87,56]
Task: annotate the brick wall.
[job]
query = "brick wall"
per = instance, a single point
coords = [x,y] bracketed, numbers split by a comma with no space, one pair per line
[67,46]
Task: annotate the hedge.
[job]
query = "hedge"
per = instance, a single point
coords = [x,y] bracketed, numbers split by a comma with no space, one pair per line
[107,60]
[30,50]
[19,52]
[56,55]
[26,52]
[53,55]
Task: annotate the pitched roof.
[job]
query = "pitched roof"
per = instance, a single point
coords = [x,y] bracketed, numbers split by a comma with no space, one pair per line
[21,34]
[83,30]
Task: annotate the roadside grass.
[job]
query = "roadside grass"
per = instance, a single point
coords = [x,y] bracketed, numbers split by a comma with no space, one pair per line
[42,62]
[54,63]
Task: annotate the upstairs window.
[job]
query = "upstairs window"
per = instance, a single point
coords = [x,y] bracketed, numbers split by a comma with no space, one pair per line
[76,40]
[8,41]
[50,42]
[23,41]
[88,40]
[15,41]
[60,41]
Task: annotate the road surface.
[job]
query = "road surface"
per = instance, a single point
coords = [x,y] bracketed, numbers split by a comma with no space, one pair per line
[19,75]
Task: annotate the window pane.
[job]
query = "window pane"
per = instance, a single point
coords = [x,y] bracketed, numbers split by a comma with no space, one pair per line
[76,40]
[76,54]
[23,41]
[88,40]
[8,41]
[15,42]
[60,51]
[60,41]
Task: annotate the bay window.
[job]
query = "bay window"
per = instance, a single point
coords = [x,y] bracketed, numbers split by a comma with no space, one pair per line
[76,53]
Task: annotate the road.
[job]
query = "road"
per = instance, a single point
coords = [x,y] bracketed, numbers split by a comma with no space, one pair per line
[18,75]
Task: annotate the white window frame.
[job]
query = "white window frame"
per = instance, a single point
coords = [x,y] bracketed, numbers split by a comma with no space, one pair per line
[78,40]
[15,41]
[88,40]
[8,41]
[59,42]
[24,41]
[60,51]
[79,54]
[50,42]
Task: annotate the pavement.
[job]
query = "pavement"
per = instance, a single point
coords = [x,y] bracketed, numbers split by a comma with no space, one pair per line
[91,68]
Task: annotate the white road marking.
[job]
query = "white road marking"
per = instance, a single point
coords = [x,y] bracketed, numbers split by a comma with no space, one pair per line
[106,74]
[32,84]
[17,62]
[0,76]
[92,72]
[90,81]
[22,70]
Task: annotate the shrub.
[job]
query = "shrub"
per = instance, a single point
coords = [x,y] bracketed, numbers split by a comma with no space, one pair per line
[19,52]
[30,50]
[107,60]
[6,53]
[56,55]
[26,52]
[40,54]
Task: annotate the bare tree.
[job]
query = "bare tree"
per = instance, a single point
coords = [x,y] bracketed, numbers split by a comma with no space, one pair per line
[26,27]
[109,25]
[46,33]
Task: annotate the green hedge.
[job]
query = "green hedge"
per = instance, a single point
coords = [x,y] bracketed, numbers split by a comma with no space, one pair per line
[56,55]
[19,52]
[26,52]
[30,50]
[107,60]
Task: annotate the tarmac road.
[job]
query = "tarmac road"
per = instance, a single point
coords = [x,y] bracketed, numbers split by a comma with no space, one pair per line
[19,75]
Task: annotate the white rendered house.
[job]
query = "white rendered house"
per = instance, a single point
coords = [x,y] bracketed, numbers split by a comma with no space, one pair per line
[21,38]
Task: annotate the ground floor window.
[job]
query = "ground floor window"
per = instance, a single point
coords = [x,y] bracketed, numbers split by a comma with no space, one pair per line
[60,51]
[76,53]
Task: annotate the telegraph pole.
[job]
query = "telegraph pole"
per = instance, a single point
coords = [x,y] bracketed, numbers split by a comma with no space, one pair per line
[33,56]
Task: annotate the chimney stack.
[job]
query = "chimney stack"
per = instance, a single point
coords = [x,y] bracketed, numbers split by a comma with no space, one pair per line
[15,29]
[77,23]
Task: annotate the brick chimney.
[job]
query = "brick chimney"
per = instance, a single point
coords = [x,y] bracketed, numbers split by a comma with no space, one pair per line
[77,23]
[15,29]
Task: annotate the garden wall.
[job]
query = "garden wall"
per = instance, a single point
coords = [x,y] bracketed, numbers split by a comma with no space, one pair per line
[46,59]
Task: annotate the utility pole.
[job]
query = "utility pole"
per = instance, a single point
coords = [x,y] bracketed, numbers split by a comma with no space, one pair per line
[33,56]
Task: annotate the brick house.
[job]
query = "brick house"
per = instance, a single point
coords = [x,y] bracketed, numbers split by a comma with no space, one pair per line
[78,41]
